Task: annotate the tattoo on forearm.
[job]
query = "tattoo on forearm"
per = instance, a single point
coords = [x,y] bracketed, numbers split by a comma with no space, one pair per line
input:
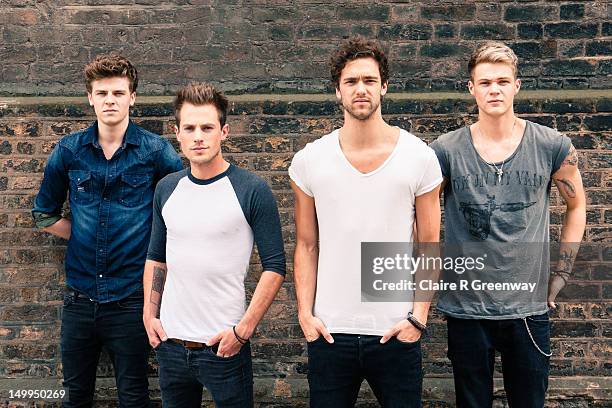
[157,288]
[572,157]
[564,266]
[567,187]
[566,261]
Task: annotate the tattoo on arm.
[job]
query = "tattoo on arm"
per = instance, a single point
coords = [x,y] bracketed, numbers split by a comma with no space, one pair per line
[567,187]
[572,157]
[157,288]
[565,265]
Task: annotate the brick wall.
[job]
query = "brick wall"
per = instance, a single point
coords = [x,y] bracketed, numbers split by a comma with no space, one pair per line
[266,130]
[282,45]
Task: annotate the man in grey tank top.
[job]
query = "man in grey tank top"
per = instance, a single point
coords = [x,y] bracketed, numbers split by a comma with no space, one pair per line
[497,179]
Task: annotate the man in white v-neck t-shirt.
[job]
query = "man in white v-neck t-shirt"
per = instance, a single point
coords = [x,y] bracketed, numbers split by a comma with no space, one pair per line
[365,182]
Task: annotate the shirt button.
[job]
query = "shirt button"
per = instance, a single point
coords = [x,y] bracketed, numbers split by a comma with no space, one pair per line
[100,250]
[100,276]
[102,223]
[105,198]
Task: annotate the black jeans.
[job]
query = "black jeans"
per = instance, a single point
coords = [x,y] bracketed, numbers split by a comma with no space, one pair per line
[183,373]
[471,349]
[88,326]
[335,371]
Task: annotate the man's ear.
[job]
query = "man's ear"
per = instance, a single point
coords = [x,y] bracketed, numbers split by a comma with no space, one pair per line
[90,98]
[470,86]
[517,85]
[338,94]
[177,133]
[132,98]
[384,88]
[224,131]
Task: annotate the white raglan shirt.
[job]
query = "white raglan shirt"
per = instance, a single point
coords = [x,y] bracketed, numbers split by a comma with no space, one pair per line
[352,208]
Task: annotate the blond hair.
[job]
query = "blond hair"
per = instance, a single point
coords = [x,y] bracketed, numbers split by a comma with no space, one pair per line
[493,52]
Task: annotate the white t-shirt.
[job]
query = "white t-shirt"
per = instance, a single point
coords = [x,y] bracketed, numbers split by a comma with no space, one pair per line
[353,207]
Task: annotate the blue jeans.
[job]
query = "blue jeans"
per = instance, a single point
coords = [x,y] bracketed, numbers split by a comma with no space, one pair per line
[87,327]
[183,372]
[336,371]
[471,349]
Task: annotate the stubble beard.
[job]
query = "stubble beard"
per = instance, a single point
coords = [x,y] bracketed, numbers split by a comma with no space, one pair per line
[364,116]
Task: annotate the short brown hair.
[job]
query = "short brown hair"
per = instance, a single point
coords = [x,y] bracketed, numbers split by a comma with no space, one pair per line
[201,93]
[108,66]
[493,52]
[354,48]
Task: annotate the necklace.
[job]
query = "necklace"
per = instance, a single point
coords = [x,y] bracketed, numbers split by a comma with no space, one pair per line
[499,171]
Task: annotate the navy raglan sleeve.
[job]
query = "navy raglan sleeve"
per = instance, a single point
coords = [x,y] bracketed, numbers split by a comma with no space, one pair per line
[157,242]
[266,226]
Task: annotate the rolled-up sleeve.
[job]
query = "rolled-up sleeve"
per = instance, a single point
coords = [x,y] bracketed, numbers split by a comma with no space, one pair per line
[52,194]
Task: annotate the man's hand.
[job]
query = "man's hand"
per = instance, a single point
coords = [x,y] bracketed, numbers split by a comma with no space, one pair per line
[313,328]
[155,331]
[228,343]
[404,331]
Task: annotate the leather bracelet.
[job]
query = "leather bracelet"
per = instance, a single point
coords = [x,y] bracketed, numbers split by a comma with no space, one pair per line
[240,339]
[413,321]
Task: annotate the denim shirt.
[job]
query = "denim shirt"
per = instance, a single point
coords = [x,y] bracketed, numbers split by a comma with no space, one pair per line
[111,207]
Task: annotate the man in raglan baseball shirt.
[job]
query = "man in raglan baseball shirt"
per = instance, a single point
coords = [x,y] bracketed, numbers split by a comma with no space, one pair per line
[365,182]
[205,220]
[497,178]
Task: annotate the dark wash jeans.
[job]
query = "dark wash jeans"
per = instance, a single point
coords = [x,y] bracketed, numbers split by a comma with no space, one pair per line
[336,371]
[88,326]
[471,349]
[184,372]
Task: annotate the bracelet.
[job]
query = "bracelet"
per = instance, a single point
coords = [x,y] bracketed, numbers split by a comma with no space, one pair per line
[561,274]
[413,321]
[240,339]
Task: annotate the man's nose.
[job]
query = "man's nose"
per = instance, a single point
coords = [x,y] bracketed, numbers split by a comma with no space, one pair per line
[361,87]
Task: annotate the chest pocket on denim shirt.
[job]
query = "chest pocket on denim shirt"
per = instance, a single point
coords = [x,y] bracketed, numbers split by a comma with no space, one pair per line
[133,188]
[81,186]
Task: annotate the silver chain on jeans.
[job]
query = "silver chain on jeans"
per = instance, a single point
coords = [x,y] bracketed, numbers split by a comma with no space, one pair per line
[534,342]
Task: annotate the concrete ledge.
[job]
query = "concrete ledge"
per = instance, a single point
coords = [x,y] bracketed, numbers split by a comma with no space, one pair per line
[429,96]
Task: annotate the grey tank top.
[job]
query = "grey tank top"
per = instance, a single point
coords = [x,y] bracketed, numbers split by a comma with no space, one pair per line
[505,218]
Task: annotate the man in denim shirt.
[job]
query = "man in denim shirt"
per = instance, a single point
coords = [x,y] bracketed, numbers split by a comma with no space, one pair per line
[110,171]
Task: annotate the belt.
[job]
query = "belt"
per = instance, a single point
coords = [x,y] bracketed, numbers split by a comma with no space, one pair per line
[191,344]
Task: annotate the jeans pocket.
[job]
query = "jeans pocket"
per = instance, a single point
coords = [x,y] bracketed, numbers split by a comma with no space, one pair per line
[539,318]
[213,352]
[68,299]
[159,346]
[407,342]
[316,340]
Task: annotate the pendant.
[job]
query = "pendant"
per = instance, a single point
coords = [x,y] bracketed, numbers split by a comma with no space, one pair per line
[499,172]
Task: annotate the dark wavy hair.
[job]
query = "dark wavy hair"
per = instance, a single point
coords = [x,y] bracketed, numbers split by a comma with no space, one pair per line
[354,48]
[108,66]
